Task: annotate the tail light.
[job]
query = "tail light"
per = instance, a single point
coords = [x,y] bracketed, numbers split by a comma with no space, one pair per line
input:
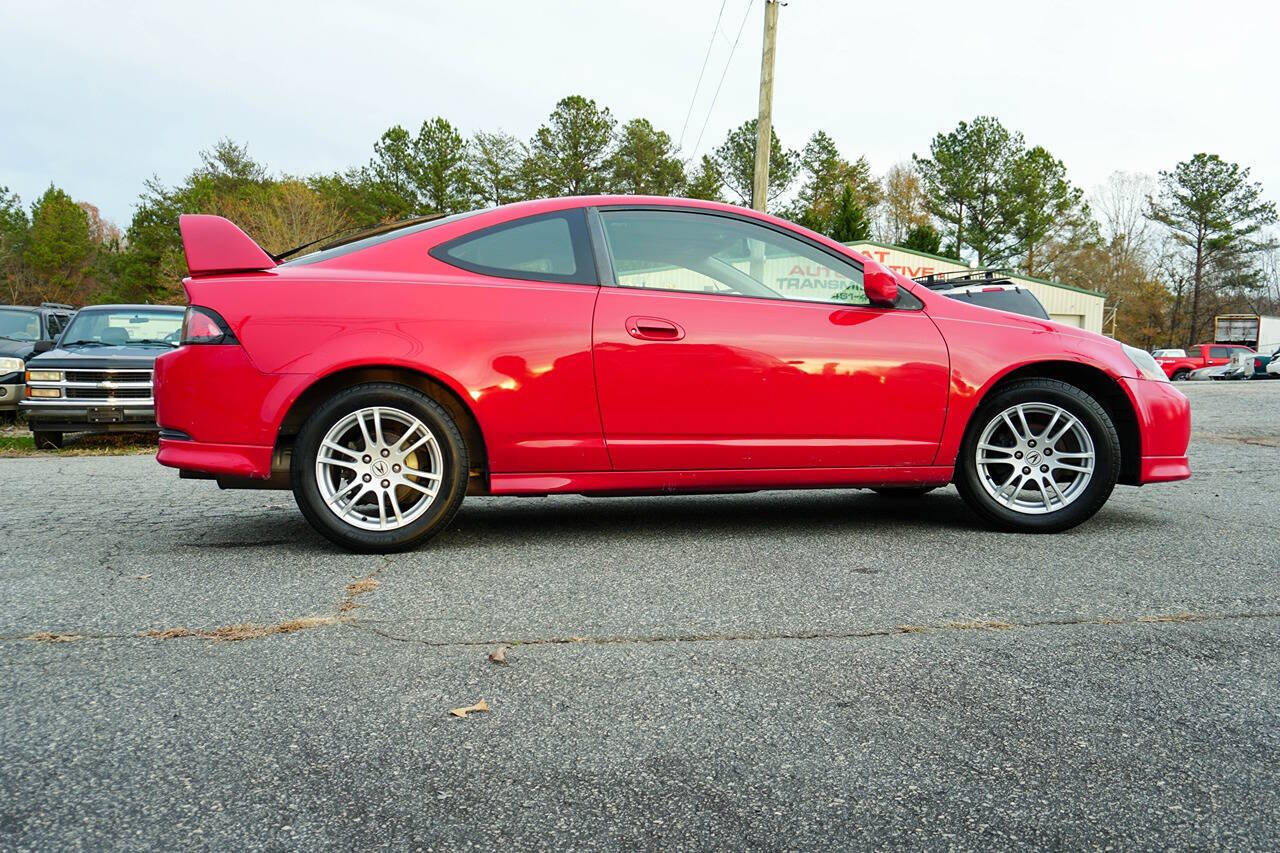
[205,326]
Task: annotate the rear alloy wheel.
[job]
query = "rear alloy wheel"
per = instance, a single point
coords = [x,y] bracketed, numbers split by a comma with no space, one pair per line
[1180,375]
[379,467]
[1040,456]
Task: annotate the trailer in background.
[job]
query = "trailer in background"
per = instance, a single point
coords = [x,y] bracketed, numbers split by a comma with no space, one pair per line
[1256,331]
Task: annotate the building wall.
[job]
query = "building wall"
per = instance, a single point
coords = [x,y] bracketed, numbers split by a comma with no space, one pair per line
[1064,304]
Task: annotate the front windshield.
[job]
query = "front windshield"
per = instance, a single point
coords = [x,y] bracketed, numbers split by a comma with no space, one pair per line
[125,327]
[20,325]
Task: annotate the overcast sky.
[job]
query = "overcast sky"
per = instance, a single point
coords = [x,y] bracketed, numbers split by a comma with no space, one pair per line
[99,96]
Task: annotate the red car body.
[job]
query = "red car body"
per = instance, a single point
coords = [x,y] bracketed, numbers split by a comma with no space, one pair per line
[571,387]
[1198,356]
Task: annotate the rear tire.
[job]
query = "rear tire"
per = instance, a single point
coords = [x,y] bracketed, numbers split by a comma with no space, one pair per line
[393,471]
[1005,474]
[47,440]
[1180,375]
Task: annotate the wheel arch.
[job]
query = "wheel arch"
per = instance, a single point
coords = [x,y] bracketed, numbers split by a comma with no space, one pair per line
[435,387]
[1097,383]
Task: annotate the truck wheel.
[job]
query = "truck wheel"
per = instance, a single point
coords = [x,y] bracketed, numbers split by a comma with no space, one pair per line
[1040,456]
[379,467]
[1180,375]
[47,440]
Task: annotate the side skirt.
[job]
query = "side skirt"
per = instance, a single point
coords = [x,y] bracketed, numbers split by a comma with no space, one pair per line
[729,480]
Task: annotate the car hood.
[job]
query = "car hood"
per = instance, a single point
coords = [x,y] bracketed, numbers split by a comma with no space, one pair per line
[16,349]
[99,358]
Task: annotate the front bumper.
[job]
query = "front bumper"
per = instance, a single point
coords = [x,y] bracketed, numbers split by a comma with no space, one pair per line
[1164,424]
[10,394]
[60,416]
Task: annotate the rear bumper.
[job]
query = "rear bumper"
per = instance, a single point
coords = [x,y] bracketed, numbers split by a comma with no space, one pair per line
[231,460]
[1164,423]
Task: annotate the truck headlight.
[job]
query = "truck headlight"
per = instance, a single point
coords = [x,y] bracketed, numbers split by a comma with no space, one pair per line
[44,375]
[44,392]
[1146,364]
[11,365]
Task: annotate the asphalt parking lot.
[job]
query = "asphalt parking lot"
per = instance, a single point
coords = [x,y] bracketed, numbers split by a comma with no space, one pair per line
[188,667]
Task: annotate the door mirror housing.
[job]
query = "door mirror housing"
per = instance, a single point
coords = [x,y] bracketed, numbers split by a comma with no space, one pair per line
[42,346]
[881,287]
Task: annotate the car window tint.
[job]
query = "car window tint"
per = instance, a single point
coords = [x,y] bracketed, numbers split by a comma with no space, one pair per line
[1219,352]
[698,252]
[550,248]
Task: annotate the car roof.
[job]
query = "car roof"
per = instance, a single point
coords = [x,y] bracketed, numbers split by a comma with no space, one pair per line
[126,307]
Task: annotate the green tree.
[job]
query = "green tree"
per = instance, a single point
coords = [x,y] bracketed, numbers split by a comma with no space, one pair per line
[923,238]
[1215,214]
[395,167]
[849,219]
[1039,206]
[440,168]
[644,161]
[567,154]
[735,163]
[361,197]
[496,160]
[705,183]
[964,176]
[903,206]
[59,249]
[14,229]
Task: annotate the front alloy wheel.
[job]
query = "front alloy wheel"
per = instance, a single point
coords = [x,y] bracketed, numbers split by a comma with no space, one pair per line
[1040,456]
[379,467]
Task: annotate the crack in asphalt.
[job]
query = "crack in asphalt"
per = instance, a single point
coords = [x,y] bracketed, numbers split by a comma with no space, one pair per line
[950,625]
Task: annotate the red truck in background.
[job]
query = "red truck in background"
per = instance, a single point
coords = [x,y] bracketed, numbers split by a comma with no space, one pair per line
[1201,355]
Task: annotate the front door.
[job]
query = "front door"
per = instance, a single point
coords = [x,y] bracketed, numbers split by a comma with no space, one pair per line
[729,344]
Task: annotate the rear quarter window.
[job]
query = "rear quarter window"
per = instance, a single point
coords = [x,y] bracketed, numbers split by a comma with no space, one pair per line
[1015,301]
[552,247]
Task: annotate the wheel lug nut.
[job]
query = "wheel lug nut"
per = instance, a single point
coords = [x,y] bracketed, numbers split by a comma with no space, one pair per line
[1048,452]
[395,468]
[367,459]
[366,478]
[1017,455]
[386,452]
[386,484]
[1044,467]
[1031,443]
[1026,470]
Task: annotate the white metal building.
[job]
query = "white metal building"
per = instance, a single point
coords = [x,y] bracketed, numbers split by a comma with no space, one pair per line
[1074,306]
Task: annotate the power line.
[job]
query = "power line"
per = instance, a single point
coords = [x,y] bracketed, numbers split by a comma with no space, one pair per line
[724,74]
[710,44]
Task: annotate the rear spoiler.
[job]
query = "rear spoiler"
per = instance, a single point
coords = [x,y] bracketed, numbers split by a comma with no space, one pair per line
[216,245]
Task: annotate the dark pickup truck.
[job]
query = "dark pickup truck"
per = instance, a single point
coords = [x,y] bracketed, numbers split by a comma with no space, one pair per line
[22,328]
[97,377]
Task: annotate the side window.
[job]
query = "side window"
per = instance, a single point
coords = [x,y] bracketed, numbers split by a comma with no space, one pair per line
[1219,352]
[57,322]
[706,253]
[552,247]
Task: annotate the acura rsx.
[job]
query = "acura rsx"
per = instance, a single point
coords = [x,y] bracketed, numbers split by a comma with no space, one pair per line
[627,345]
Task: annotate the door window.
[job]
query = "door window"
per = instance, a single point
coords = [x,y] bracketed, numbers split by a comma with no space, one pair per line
[553,247]
[1219,352]
[707,253]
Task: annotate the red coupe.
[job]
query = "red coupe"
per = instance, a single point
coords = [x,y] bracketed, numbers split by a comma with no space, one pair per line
[623,345]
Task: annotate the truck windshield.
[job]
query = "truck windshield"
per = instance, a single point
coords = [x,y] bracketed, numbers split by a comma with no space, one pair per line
[124,327]
[19,325]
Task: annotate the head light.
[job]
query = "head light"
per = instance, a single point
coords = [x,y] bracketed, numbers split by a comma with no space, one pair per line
[1146,364]
[44,375]
[11,365]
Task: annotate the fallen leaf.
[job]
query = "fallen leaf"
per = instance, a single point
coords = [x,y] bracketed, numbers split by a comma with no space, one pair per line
[462,712]
[142,577]
[498,655]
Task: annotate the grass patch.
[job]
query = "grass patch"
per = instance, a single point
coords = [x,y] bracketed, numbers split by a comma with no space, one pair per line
[16,441]
[243,631]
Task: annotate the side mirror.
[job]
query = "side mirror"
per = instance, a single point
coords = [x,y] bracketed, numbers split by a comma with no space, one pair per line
[43,346]
[881,288]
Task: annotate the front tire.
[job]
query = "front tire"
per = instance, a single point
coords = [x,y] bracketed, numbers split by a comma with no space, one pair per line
[379,467]
[47,440]
[1040,456]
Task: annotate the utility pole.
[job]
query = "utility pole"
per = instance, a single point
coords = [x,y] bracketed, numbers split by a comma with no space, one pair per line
[764,124]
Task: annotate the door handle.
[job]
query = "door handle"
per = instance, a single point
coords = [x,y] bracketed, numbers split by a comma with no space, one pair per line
[653,329]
